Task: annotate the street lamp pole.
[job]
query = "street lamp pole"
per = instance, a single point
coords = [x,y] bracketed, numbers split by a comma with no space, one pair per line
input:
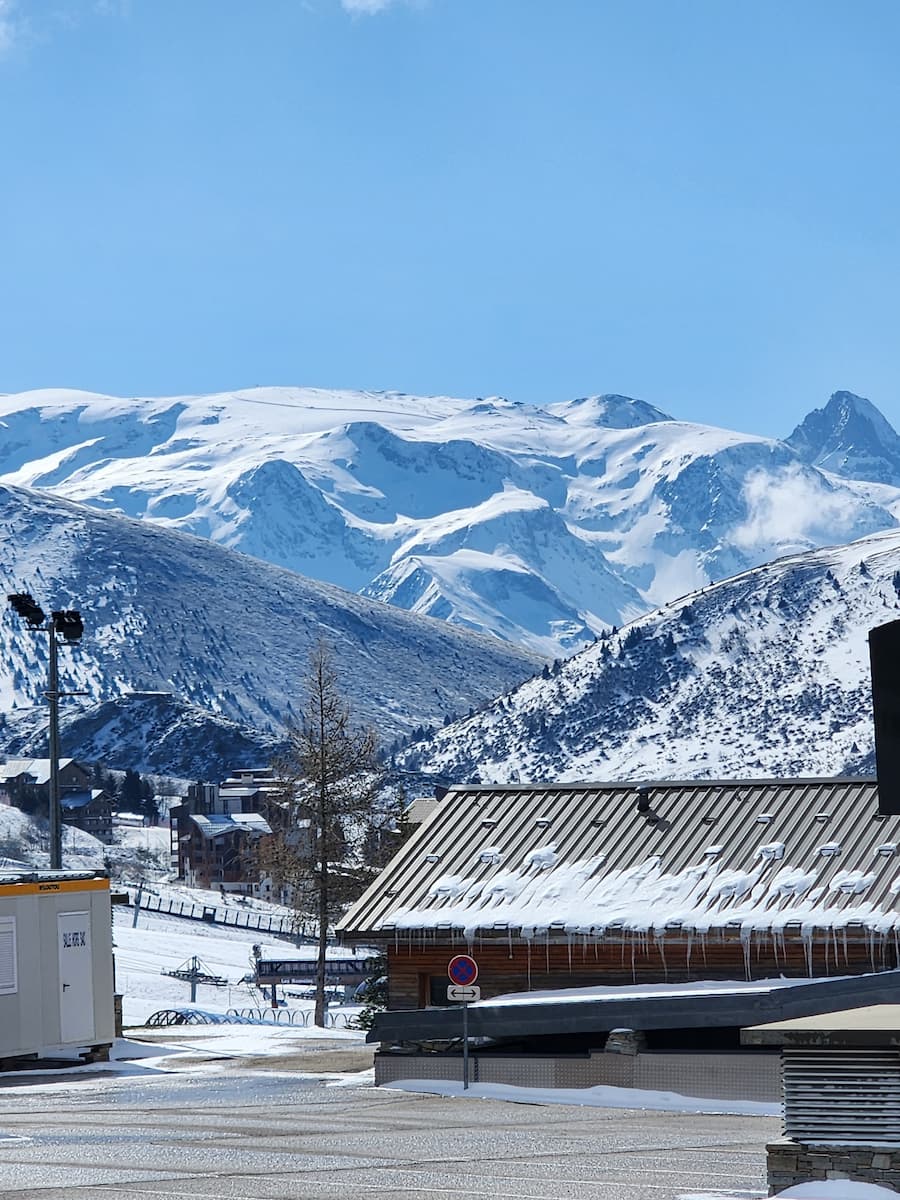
[52,695]
[68,623]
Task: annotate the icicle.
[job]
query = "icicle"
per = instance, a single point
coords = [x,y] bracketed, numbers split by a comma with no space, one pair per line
[570,953]
[806,935]
[528,944]
[687,953]
[633,969]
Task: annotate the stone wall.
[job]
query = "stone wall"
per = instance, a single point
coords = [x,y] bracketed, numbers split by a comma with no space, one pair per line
[790,1162]
[709,1076]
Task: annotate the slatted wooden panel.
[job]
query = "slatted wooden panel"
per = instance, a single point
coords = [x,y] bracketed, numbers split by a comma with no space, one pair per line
[512,965]
[842,1096]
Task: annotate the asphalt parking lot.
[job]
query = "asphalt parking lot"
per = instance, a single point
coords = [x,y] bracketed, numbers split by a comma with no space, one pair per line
[261,1136]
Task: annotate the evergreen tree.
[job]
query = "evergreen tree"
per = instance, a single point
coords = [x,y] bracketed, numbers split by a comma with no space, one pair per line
[130,791]
[148,802]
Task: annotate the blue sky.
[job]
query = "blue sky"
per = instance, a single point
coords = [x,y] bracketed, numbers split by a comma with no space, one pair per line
[692,202]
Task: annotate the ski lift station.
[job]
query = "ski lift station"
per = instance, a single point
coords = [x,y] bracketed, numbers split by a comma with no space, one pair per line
[56,965]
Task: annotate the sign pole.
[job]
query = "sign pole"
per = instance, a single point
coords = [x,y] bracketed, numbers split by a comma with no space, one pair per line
[465,1008]
[462,970]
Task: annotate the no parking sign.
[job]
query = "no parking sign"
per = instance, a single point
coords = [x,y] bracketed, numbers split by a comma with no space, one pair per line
[463,970]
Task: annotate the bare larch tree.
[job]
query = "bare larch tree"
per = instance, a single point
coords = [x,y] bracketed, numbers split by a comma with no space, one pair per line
[324,808]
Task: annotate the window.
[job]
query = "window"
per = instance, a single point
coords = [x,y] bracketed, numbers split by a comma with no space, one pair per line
[8,975]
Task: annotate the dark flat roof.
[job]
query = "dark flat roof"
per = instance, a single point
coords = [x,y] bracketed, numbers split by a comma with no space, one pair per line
[590,1010]
[869,1025]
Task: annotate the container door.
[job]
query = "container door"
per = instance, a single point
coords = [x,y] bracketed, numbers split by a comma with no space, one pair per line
[76,977]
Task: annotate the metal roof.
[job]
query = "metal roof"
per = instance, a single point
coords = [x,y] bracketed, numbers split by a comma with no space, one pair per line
[584,858]
[567,1012]
[32,876]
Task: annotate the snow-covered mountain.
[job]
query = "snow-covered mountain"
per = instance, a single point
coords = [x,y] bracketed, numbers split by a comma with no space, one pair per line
[543,526]
[765,674]
[851,438]
[214,643]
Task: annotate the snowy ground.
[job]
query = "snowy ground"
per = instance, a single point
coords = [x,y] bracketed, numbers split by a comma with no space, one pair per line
[162,943]
[335,1056]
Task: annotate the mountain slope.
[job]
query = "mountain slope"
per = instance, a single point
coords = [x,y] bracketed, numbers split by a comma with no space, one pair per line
[541,526]
[225,633]
[765,674]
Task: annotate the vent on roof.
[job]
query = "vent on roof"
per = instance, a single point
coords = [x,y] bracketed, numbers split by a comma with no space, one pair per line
[492,855]
[709,819]
[432,858]
[852,881]
[830,849]
[598,821]
[542,822]
[886,849]
[542,858]
[763,818]
[489,823]
[713,851]
[770,851]
[822,816]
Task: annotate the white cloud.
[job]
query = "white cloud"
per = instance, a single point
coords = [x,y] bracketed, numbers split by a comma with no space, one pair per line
[366,6]
[795,510]
[9,25]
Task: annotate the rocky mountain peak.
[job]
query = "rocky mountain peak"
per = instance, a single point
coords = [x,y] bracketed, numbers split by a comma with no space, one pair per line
[849,437]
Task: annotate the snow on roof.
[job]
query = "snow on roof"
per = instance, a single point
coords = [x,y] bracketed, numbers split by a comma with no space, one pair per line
[37,768]
[218,824]
[79,799]
[612,868]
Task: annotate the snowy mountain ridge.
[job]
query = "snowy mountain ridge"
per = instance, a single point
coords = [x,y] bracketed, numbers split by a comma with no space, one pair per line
[194,656]
[763,675]
[542,526]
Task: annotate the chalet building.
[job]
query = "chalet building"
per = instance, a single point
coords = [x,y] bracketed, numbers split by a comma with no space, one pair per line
[214,829]
[25,783]
[91,810]
[29,777]
[717,894]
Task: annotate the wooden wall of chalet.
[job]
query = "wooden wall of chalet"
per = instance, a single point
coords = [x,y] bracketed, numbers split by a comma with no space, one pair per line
[511,965]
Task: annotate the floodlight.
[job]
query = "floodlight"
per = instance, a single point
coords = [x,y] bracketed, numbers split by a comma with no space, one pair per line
[68,622]
[27,607]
